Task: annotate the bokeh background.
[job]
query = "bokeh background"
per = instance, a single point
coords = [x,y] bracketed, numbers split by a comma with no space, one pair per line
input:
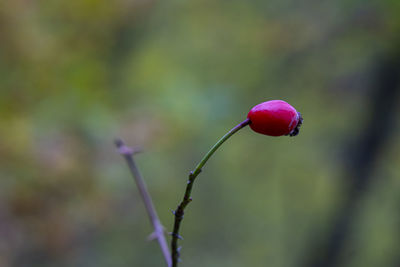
[172,77]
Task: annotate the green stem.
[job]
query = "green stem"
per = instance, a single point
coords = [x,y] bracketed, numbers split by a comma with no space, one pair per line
[179,212]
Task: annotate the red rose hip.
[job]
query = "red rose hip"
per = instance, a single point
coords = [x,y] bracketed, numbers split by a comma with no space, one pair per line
[275,118]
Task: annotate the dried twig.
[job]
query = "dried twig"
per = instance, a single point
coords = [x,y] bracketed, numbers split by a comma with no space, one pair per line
[158,233]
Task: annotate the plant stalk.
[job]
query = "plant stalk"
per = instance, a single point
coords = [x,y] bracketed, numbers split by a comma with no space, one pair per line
[158,233]
[179,212]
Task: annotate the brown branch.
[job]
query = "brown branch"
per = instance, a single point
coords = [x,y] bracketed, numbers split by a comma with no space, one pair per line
[158,233]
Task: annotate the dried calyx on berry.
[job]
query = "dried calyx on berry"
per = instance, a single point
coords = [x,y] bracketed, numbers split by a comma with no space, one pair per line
[296,130]
[275,118]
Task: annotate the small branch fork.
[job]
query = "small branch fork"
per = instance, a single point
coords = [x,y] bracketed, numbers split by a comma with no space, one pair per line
[179,212]
[158,233]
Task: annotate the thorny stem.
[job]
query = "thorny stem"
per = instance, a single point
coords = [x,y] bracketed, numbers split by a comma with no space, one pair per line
[179,212]
[158,233]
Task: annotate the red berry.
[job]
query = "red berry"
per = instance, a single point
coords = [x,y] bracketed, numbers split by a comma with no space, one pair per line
[275,118]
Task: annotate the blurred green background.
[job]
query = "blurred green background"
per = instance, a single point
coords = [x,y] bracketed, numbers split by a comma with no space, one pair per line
[173,77]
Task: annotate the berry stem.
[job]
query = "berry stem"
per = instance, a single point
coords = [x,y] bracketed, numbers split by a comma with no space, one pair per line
[179,212]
